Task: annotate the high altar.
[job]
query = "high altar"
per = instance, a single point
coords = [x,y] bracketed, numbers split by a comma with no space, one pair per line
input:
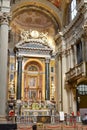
[32,74]
[38,112]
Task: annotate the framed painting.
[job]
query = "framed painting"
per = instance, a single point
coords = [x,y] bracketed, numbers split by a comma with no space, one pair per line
[33,82]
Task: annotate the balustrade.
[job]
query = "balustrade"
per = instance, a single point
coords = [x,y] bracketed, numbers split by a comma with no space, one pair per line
[78,70]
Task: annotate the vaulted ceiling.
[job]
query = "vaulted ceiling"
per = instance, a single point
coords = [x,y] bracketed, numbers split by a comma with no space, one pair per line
[38,13]
[41,15]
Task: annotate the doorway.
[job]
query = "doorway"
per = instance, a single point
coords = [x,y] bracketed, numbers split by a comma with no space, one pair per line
[81,93]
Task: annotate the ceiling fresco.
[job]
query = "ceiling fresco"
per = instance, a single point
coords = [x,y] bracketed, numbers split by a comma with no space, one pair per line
[57,3]
[36,18]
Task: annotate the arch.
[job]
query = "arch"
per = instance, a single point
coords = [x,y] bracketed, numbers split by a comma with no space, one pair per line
[33,61]
[33,80]
[38,4]
[81,94]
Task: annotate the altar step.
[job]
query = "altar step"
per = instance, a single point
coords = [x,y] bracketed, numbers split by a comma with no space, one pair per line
[53,127]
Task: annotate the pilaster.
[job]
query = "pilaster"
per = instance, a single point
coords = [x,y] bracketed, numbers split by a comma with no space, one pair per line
[85,40]
[63,71]
[71,57]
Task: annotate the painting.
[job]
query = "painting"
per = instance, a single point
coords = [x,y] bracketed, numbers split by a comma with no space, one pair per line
[32,82]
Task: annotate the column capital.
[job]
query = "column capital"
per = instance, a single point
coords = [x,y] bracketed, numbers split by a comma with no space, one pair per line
[47,60]
[4,18]
[19,58]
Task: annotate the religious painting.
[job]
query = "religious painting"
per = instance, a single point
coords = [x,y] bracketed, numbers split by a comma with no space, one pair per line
[32,82]
[44,119]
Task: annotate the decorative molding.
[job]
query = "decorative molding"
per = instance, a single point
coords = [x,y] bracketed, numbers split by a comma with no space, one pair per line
[33,44]
[47,60]
[5,18]
[19,58]
[85,29]
[34,34]
[33,48]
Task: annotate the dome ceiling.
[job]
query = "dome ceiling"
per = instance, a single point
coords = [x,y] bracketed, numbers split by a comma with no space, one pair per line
[56,2]
[36,14]
[39,15]
[33,19]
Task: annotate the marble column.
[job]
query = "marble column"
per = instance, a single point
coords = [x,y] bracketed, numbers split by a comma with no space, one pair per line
[3,62]
[47,80]
[19,78]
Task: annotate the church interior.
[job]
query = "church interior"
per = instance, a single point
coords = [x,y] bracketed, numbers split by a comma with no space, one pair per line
[43,57]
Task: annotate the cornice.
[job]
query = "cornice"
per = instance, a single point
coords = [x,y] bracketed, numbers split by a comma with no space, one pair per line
[33,52]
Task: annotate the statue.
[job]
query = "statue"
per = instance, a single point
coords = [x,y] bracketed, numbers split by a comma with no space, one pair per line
[12,89]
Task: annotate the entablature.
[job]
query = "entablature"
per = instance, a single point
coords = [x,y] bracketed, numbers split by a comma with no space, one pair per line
[33,48]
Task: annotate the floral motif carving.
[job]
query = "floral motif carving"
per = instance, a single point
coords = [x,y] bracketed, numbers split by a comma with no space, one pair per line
[4,18]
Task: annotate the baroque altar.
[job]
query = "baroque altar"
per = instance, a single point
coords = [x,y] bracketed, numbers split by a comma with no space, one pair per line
[37,111]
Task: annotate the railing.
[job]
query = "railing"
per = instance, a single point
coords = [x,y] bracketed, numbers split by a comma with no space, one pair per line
[55,119]
[69,123]
[54,127]
[77,71]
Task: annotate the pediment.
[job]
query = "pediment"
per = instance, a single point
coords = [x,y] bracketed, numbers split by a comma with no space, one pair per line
[33,45]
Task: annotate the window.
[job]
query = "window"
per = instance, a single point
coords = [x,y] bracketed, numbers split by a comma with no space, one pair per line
[12,66]
[52,78]
[11,77]
[82,89]
[32,68]
[73,9]
[52,69]
[79,52]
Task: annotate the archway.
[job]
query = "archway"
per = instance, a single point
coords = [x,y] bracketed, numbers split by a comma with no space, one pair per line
[81,92]
[33,80]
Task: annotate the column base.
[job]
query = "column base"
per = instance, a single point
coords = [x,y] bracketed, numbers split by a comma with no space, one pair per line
[3,119]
